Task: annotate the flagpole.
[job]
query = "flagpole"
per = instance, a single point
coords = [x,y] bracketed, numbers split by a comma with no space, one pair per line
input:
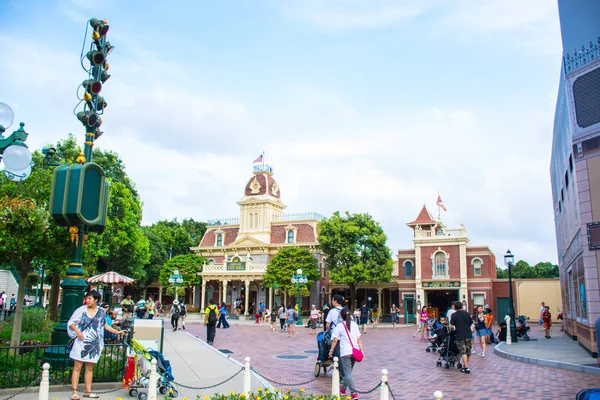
[438,206]
[263,160]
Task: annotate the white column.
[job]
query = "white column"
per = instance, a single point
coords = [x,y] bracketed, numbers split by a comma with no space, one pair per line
[153,381]
[247,378]
[384,391]
[193,302]
[247,284]
[225,282]
[160,289]
[335,378]
[379,301]
[45,383]
[202,300]
[271,299]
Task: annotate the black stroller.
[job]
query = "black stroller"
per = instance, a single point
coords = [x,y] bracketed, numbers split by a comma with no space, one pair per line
[448,351]
[323,360]
[523,327]
[436,340]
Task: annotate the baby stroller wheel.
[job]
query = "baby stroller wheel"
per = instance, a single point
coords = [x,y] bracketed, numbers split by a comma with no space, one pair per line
[317,369]
[439,364]
[174,393]
[446,366]
[434,350]
[142,396]
[428,349]
[163,390]
[133,392]
[459,366]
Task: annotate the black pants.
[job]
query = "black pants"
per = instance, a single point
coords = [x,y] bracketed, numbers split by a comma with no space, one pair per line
[282,322]
[174,322]
[210,332]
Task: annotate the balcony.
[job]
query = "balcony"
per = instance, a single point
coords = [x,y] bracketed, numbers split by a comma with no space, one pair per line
[446,233]
[214,269]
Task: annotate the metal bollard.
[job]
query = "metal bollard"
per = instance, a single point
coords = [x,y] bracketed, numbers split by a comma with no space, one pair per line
[335,378]
[508,337]
[153,381]
[437,395]
[45,383]
[247,378]
[384,392]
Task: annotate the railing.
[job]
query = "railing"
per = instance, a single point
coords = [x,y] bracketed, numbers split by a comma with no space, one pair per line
[20,366]
[221,268]
[581,57]
[298,216]
[460,232]
[223,221]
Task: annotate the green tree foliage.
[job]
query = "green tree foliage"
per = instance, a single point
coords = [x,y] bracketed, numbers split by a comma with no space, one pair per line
[356,250]
[522,270]
[23,226]
[175,237]
[195,229]
[188,265]
[285,263]
[158,257]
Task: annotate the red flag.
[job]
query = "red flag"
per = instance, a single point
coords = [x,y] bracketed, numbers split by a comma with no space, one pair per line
[440,203]
[258,160]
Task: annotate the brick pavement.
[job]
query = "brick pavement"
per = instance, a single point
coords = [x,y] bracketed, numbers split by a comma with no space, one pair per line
[412,372]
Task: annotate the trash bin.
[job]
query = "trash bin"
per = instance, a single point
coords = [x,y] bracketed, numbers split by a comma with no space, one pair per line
[149,332]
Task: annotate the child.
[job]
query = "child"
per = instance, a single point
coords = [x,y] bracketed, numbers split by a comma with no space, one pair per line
[546,317]
[274,318]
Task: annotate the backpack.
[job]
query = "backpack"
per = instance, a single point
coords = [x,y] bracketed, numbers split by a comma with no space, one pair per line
[295,316]
[176,311]
[183,309]
[212,316]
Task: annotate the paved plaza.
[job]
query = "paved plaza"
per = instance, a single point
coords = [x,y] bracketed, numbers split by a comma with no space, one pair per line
[412,372]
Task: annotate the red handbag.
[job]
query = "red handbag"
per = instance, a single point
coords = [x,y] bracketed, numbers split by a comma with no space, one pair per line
[357,354]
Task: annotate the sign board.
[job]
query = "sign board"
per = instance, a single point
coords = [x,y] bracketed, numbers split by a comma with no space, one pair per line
[441,284]
[236,264]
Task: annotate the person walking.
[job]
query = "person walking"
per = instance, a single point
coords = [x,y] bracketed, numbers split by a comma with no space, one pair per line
[150,306]
[86,327]
[281,312]
[314,317]
[462,322]
[127,305]
[489,320]
[182,314]
[481,329]
[364,317]
[175,315]
[375,315]
[222,316]
[13,304]
[211,315]
[394,312]
[547,319]
[274,318]
[291,316]
[423,318]
[348,335]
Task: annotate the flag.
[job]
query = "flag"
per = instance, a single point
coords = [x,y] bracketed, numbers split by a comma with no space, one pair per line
[440,203]
[258,160]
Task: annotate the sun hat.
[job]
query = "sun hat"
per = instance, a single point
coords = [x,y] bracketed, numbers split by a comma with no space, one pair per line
[176,302]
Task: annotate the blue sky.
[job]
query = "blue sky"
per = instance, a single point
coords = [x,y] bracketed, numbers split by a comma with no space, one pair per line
[366,106]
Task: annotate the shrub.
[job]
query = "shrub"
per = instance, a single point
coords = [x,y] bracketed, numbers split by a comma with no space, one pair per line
[266,394]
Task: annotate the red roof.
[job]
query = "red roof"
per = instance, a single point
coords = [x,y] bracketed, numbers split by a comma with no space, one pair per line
[424,218]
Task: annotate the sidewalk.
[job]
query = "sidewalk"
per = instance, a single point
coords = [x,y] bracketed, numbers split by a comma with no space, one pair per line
[559,352]
[194,363]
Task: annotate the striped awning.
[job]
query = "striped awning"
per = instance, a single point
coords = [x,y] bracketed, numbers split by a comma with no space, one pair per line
[110,278]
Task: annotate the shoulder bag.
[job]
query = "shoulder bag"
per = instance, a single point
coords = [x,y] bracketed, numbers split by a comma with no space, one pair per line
[71,341]
[357,354]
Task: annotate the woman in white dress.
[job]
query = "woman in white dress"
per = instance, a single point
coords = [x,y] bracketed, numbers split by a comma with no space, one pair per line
[86,326]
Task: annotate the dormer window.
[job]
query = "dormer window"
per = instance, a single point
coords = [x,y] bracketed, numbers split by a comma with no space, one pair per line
[219,240]
[291,236]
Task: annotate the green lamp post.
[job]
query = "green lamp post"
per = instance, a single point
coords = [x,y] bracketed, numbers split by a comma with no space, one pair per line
[14,153]
[175,279]
[299,279]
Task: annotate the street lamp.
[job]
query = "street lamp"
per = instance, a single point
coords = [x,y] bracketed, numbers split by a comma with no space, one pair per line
[13,150]
[176,279]
[299,279]
[509,260]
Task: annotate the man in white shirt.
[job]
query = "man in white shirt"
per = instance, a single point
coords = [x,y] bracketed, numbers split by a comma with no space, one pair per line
[334,318]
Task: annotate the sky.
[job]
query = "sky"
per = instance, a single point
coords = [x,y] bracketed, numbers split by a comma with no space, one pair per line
[367,106]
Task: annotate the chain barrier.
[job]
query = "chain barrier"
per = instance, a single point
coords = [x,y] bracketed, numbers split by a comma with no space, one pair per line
[370,391]
[390,389]
[281,383]
[68,386]
[35,382]
[211,386]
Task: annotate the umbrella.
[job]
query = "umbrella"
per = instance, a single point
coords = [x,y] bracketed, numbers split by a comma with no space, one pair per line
[110,278]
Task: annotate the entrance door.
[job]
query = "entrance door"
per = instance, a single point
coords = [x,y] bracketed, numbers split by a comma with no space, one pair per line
[409,310]
[439,301]
[503,304]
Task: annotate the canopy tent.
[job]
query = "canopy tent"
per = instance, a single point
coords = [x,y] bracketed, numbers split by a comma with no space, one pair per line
[110,278]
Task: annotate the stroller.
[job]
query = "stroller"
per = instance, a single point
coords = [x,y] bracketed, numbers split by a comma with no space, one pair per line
[448,351]
[522,327]
[323,360]
[437,338]
[137,371]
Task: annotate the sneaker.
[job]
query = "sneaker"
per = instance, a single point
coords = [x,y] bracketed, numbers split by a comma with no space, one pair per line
[472,351]
[483,355]
[354,396]
[183,327]
[465,370]
[342,391]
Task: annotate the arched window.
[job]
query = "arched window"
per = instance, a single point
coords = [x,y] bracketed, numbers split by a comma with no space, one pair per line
[290,236]
[477,266]
[255,220]
[211,261]
[219,241]
[440,264]
[408,269]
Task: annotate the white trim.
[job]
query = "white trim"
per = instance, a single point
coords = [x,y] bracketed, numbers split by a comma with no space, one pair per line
[414,294]
[480,266]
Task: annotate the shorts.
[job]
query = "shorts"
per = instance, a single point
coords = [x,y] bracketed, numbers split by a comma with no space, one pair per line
[464,347]
[481,332]
[363,321]
[423,323]
[290,322]
[489,331]
[313,323]
[546,325]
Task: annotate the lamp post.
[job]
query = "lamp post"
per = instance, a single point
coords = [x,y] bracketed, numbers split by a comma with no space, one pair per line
[176,279]
[299,279]
[14,153]
[509,260]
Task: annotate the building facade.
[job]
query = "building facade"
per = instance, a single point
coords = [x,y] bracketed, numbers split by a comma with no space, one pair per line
[575,168]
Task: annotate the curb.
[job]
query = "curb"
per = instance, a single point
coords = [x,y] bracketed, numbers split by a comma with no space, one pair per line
[548,363]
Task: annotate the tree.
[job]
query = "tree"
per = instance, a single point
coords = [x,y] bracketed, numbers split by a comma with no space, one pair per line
[356,250]
[158,257]
[522,270]
[175,237]
[195,229]
[189,267]
[23,225]
[285,263]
